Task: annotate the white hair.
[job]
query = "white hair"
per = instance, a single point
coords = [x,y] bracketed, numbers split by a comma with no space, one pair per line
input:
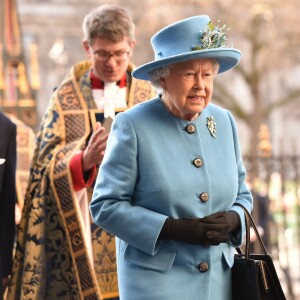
[156,74]
[164,71]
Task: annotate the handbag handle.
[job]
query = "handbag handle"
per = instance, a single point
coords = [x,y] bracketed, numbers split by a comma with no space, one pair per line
[249,221]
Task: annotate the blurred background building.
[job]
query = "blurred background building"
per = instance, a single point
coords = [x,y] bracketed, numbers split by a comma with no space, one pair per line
[263,92]
[264,89]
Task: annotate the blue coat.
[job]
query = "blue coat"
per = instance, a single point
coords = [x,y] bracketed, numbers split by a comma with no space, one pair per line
[148,174]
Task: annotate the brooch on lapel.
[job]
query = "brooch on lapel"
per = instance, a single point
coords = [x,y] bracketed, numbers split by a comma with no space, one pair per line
[2,161]
[212,126]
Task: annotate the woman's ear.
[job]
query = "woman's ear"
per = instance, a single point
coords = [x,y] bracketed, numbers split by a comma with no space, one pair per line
[162,82]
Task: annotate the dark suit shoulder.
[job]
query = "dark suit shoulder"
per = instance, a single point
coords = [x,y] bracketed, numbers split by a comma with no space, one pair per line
[5,121]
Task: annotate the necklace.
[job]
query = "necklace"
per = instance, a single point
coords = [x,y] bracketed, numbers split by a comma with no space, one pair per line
[168,109]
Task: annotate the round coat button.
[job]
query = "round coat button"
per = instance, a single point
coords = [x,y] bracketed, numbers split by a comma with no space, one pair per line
[190,128]
[204,197]
[197,162]
[203,267]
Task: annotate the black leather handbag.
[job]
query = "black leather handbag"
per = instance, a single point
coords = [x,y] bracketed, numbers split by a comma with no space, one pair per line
[254,276]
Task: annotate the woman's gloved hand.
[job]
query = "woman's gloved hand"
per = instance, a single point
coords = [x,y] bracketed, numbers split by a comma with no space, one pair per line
[229,219]
[194,231]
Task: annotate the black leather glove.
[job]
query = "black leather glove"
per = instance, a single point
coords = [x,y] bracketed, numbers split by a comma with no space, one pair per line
[228,219]
[193,231]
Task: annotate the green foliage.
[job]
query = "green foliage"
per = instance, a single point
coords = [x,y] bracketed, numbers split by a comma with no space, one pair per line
[212,37]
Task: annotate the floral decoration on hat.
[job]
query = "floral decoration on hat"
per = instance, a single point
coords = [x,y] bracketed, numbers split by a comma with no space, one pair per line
[212,37]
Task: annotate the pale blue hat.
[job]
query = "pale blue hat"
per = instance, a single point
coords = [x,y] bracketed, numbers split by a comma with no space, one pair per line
[192,38]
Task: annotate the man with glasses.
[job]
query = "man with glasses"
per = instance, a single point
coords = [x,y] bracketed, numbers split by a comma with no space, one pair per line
[60,254]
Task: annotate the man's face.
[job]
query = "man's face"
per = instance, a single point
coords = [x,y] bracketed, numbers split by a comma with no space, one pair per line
[109,59]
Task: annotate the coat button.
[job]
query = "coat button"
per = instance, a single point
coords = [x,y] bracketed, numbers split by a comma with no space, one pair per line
[190,128]
[204,197]
[203,267]
[197,162]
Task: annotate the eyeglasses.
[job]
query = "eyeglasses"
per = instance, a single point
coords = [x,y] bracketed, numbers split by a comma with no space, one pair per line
[118,56]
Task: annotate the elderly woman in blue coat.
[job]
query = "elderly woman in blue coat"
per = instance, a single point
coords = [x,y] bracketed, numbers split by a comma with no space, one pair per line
[173,172]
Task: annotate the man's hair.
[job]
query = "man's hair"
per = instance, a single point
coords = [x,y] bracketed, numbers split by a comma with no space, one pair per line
[108,22]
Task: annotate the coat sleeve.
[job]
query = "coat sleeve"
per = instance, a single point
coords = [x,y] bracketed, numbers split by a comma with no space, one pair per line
[8,201]
[111,206]
[81,181]
[244,195]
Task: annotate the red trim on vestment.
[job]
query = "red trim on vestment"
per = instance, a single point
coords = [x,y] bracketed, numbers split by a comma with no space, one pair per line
[77,172]
[98,84]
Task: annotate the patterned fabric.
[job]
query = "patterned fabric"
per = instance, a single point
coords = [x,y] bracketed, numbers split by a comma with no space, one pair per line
[25,147]
[51,260]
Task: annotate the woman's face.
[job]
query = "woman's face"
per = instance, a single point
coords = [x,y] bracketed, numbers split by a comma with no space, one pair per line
[188,87]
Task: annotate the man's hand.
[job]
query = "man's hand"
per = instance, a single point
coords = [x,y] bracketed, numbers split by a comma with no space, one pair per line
[94,152]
